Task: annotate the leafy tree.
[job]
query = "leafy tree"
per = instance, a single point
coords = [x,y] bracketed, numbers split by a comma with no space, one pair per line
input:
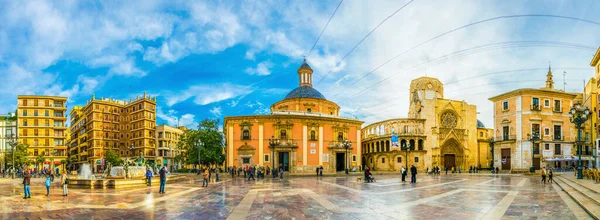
[20,155]
[111,157]
[211,152]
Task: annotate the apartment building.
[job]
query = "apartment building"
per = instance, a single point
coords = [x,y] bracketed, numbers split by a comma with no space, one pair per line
[41,127]
[167,138]
[524,113]
[126,127]
[8,130]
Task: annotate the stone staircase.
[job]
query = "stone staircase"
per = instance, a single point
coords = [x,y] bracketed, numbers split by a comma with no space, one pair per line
[584,192]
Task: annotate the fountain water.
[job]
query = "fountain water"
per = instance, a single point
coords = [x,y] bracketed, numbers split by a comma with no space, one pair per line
[85,172]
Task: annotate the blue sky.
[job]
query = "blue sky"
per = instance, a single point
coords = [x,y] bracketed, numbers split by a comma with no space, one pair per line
[209,59]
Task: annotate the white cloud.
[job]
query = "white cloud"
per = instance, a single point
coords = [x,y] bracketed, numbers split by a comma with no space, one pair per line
[262,69]
[207,94]
[216,111]
[171,118]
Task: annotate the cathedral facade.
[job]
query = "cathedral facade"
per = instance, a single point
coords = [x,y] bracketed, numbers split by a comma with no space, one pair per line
[438,132]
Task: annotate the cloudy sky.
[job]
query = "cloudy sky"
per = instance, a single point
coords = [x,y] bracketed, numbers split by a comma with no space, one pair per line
[209,59]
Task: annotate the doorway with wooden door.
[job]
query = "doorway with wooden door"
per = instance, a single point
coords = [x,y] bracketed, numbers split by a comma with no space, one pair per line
[450,161]
[505,159]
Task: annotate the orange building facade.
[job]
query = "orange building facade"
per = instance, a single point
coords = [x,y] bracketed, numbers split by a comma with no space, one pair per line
[308,130]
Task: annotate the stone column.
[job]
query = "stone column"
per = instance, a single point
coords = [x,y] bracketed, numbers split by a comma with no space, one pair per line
[261,157]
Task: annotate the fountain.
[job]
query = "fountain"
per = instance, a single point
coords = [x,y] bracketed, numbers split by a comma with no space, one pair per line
[132,174]
[85,172]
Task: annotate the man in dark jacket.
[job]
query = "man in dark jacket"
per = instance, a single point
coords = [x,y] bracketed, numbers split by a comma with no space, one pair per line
[413,174]
[26,183]
[163,179]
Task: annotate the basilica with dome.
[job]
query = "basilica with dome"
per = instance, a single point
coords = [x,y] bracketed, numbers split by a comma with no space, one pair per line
[304,131]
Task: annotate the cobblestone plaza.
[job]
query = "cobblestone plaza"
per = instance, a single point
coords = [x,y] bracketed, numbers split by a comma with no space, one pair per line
[452,196]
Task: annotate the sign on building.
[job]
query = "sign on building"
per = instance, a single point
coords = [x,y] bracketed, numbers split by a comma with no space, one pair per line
[395,141]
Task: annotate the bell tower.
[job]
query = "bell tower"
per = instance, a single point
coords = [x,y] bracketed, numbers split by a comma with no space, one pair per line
[549,80]
[305,74]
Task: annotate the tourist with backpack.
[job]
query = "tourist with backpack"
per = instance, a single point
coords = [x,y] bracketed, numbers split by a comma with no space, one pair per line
[65,182]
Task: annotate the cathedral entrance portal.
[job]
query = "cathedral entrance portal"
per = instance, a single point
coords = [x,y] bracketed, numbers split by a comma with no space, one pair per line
[452,154]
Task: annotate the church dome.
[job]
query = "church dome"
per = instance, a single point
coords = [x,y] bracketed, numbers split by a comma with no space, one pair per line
[305,92]
[480,124]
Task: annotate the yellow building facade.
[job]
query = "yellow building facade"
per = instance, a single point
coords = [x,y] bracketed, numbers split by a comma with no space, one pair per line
[308,129]
[522,113]
[42,128]
[591,101]
[126,127]
[438,132]
[167,138]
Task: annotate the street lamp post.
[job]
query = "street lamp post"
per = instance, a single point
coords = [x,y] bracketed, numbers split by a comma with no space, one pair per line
[347,144]
[533,138]
[406,148]
[578,115]
[273,142]
[199,144]
[13,143]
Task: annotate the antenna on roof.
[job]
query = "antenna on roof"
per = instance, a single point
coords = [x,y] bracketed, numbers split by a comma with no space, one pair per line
[564,81]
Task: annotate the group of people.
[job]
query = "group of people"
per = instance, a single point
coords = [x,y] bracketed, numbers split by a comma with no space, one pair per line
[545,173]
[413,174]
[162,174]
[27,174]
[35,172]
[250,172]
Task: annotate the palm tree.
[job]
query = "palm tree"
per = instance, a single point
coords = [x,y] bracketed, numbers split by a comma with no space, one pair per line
[40,160]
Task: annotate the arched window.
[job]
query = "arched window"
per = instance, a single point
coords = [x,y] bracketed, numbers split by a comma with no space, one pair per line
[377,130]
[393,131]
[309,110]
[282,134]
[377,144]
[405,128]
[403,143]
[420,144]
[313,135]
[382,130]
[245,135]
[340,136]
[387,145]
[412,144]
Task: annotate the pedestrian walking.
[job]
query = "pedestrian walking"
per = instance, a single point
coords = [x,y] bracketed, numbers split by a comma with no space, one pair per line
[280,172]
[403,173]
[64,180]
[149,177]
[321,171]
[205,178]
[550,176]
[48,180]
[251,173]
[26,183]
[317,169]
[413,174]
[446,170]
[497,170]
[163,179]
[543,172]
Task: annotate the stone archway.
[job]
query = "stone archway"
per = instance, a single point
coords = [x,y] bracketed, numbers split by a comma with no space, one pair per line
[452,154]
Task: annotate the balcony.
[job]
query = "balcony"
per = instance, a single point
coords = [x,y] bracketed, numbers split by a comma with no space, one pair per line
[558,138]
[506,138]
[536,107]
[557,110]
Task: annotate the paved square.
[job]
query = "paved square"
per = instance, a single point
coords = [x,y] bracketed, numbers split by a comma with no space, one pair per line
[456,196]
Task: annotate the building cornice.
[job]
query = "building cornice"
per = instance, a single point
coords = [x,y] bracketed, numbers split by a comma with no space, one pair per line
[596,58]
[523,91]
